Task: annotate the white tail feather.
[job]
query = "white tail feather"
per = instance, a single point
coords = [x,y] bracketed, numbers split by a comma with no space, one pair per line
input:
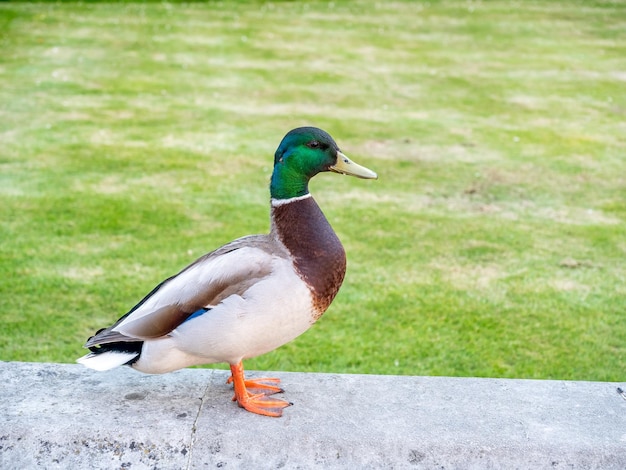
[107,360]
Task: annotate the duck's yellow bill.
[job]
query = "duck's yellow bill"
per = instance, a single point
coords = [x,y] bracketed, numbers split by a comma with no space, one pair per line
[345,166]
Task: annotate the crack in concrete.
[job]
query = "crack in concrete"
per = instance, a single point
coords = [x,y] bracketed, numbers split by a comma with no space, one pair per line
[192,437]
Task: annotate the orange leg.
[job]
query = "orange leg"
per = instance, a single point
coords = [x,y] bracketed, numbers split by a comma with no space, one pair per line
[259,403]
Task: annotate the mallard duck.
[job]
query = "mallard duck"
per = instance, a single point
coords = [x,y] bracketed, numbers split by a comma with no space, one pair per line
[248,297]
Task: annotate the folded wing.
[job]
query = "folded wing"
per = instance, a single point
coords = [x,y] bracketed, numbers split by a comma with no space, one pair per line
[230,270]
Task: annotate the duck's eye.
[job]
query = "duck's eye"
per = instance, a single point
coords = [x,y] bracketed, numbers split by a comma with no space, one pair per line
[314,144]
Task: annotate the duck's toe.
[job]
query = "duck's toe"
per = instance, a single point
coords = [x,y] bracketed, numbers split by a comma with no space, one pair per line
[260,386]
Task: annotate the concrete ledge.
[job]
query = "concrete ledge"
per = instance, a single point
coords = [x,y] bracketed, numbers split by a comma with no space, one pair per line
[65,416]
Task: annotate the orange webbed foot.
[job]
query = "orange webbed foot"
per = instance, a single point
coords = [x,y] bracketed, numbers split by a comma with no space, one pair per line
[252,394]
[264,405]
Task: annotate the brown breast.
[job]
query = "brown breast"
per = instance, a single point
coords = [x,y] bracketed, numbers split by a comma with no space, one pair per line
[319,257]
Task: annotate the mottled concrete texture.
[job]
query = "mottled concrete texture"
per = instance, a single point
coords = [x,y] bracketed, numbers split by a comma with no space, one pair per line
[65,416]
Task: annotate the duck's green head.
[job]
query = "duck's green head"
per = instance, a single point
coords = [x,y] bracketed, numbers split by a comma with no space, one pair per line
[303,153]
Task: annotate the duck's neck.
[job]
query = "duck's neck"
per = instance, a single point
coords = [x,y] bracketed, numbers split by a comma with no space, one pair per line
[288,182]
[317,253]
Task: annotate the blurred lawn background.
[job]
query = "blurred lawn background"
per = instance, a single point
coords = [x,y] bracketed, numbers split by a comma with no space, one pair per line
[135,137]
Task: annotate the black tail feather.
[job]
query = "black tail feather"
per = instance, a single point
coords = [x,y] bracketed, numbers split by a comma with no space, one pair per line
[121,346]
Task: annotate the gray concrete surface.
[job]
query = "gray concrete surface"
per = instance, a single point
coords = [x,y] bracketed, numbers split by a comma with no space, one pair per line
[68,417]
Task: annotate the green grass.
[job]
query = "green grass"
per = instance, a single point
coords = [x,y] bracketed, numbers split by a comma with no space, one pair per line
[135,137]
